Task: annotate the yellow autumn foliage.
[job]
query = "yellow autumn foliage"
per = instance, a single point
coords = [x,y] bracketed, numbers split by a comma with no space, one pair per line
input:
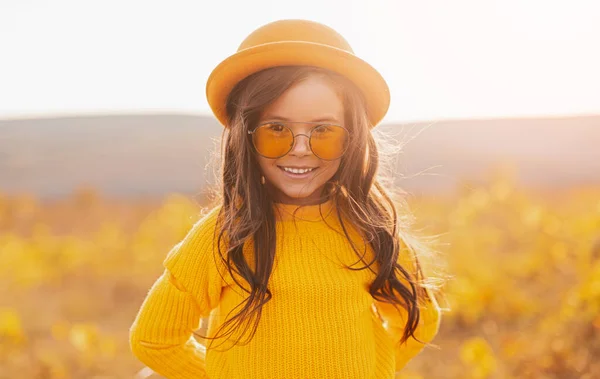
[522,299]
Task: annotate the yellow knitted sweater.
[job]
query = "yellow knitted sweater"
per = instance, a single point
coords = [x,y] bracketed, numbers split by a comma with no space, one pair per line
[321,322]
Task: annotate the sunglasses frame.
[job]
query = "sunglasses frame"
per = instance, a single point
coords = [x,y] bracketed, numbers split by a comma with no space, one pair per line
[283,123]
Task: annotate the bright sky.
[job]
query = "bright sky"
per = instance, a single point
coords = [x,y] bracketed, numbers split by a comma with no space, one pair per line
[442,59]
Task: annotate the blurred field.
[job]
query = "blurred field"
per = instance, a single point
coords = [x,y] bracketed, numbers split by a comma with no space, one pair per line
[525,297]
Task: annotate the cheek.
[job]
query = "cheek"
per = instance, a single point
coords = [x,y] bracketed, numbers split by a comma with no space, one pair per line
[261,163]
[330,168]
[264,163]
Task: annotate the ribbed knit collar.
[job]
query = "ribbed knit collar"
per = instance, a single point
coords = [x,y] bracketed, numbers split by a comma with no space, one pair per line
[311,213]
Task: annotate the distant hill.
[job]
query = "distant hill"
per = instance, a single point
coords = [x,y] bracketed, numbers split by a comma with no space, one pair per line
[130,155]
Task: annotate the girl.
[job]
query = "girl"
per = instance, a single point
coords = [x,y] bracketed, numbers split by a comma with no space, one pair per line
[300,268]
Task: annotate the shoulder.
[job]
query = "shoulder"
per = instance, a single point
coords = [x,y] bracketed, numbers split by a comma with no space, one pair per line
[203,228]
[206,223]
[197,251]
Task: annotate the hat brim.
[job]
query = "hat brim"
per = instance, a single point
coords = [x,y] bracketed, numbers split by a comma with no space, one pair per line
[246,62]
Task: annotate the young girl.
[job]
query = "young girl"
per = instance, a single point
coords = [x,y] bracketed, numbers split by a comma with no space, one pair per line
[300,268]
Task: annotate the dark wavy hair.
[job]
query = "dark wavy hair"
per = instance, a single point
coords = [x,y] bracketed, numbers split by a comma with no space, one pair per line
[358,194]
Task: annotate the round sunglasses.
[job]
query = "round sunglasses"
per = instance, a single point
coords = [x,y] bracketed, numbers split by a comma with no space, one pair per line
[275,139]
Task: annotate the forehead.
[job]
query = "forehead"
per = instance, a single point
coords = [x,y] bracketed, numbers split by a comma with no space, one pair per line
[311,100]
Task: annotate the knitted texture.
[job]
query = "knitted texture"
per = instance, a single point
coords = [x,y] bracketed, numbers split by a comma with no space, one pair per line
[321,322]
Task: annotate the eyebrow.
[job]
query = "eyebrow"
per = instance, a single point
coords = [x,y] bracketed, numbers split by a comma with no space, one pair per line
[318,119]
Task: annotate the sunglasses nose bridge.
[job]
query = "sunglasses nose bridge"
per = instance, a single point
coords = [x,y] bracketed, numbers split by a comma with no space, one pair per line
[306,144]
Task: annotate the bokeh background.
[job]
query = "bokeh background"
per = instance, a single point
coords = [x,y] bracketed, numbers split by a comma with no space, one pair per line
[106,160]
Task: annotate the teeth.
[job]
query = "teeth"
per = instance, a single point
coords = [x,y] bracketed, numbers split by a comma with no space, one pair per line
[297,170]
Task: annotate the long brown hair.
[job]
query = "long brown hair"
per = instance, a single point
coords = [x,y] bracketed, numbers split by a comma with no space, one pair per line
[360,198]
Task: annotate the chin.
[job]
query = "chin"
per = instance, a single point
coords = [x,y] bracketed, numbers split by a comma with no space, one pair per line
[299,194]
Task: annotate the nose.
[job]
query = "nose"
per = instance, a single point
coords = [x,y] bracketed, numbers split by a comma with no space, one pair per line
[301,145]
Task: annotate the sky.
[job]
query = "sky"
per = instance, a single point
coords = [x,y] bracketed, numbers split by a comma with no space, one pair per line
[442,59]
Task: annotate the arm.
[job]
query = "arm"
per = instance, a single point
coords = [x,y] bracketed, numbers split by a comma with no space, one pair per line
[190,286]
[427,329]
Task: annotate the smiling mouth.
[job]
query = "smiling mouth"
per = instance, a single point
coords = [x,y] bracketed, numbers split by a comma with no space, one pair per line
[298,173]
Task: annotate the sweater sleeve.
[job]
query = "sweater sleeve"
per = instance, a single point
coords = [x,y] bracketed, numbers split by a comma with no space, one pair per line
[427,329]
[188,289]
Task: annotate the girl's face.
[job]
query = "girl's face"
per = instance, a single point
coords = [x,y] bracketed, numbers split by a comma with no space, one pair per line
[308,101]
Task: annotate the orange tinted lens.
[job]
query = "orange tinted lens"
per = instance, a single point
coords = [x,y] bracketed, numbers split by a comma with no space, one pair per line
[329,141]
[272,140]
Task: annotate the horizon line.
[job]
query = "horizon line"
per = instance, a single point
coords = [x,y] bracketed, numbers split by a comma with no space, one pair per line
[158,112]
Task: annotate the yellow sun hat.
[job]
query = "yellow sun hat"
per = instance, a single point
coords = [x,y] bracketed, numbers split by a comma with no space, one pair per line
[293,43]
